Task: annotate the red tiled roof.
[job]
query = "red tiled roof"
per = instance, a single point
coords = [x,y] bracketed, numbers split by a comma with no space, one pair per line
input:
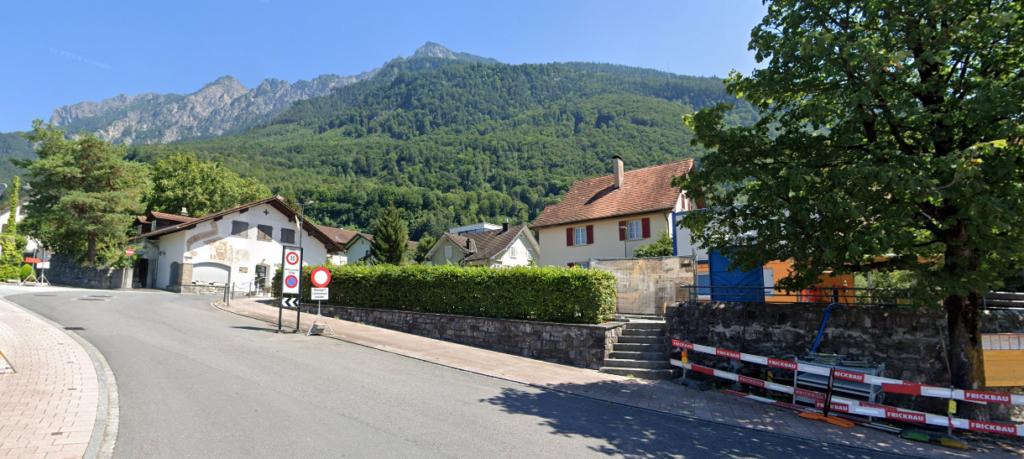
[172,217]
[643,190]
[341,236]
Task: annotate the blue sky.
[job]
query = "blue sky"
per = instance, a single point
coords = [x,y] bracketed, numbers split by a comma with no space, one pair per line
[58,53]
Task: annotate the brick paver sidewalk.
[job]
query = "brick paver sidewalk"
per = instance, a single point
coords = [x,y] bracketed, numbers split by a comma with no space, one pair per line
[657,395]
[47,408]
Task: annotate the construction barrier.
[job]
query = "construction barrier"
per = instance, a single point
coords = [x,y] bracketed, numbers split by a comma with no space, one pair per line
[895,386]
[856,407]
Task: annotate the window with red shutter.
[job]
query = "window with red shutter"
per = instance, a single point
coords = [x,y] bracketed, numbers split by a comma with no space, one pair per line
[622,230]
[590,234]
[646,224]
[572,264]
[568,237]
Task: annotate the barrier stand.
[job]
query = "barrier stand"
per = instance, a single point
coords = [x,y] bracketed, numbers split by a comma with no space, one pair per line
[856,407]
[319,324]
[824,417]
[889,385]
[8,362]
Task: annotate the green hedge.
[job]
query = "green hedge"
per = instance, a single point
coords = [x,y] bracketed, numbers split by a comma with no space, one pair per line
[541,294]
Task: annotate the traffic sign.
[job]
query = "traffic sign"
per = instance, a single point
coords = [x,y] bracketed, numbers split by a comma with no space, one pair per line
[129,252]
[290,302]
[292,258]
[321,277]
[291,281]
[319,293]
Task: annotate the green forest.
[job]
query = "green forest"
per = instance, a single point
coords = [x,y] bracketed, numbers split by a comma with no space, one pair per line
[453,142]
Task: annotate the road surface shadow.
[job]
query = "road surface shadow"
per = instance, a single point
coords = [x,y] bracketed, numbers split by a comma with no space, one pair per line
[265,329]
[636,433]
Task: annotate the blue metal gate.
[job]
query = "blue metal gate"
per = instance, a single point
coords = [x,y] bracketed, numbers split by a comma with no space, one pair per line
[734,285]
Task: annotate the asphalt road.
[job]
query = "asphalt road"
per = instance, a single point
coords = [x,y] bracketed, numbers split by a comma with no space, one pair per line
[195,381]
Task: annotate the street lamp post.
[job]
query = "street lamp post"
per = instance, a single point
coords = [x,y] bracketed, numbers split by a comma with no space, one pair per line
[625,250]
[302,220]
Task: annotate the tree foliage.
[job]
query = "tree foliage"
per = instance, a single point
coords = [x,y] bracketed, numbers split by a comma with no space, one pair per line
[886,128]
[455,143]
[426,243]
[11,249]
[390,237]
[202,187]
[84,193]
[661,247]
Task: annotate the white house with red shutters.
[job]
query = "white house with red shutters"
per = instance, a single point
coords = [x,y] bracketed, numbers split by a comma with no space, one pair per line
[609,216]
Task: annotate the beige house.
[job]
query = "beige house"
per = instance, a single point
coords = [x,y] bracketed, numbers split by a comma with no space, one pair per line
[611,215]
[494,248]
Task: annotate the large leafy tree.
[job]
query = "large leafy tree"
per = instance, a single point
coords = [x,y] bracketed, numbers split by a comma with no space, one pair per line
[84,193]
[888,128]
[202,187]
[390,237]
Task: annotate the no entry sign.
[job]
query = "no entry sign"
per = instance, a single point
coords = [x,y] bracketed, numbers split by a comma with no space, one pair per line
[129,252]
[321,277]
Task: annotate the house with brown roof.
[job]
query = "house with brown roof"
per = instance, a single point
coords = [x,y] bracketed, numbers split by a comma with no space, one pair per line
[187,254]
[611,215]
[494,248]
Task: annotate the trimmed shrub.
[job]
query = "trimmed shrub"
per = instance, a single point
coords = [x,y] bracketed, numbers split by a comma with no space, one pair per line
[542,294]
[26,270]
[8,272]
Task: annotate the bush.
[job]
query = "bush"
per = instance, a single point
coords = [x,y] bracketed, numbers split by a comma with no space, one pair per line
[25,271]
[8,272]
[541,294]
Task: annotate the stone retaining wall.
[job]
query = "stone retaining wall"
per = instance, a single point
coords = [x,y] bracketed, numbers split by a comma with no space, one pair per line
[905,340]
[572,344]
[64,271]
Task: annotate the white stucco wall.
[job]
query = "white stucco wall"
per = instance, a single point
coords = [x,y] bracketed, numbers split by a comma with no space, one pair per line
[555,252]
[438,259]
[522,257]
[212,242]
[358,250]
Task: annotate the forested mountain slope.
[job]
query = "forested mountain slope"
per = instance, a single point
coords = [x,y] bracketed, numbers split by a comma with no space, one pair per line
[452,142]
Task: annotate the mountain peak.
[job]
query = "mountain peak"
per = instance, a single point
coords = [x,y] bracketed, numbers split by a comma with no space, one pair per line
[431,49]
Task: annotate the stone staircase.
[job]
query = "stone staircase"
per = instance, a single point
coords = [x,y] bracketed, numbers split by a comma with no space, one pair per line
[641,352]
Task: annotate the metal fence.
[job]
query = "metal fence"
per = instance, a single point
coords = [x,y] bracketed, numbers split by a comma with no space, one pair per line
[826,295]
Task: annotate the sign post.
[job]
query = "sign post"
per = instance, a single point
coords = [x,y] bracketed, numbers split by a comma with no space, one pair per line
[291,270]
[320,278]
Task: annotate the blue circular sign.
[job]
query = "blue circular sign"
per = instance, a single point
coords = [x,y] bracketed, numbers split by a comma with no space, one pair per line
[291,281]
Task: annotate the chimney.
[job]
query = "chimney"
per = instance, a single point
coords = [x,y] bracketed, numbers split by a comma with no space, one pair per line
[617,171]
[470,245]
[184,212]
[504,226]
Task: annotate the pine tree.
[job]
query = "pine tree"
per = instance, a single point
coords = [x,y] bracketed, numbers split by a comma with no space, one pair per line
[10,253]
[84,193]
[390,238]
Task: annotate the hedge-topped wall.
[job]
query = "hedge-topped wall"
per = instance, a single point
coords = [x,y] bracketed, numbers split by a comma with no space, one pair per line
[539,294]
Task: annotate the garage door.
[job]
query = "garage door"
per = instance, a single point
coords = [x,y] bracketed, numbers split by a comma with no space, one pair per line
[210,272]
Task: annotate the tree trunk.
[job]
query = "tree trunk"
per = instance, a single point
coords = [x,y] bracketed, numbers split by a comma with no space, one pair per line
[90,254]
[966,360]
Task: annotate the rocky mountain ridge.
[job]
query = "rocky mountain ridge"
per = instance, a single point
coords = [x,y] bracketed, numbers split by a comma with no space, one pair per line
[222,107]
